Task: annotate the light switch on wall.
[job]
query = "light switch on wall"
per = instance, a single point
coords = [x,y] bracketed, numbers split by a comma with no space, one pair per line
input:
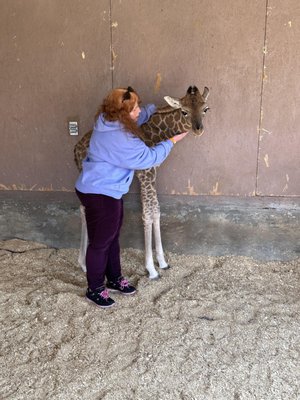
[73,128]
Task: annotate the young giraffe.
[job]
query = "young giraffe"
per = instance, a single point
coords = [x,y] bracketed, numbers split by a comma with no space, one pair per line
[181,115]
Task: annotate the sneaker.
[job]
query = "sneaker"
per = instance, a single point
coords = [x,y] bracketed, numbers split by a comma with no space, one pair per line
[121,285]
[100,297]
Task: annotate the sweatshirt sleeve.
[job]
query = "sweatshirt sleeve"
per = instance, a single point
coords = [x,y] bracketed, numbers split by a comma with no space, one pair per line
[149,157]
[146,113]
[136,155]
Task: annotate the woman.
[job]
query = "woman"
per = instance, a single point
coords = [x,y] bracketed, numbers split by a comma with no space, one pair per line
[115,151]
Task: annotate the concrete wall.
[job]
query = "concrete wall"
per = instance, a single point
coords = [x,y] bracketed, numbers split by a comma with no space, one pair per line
[59,58]
[265,228]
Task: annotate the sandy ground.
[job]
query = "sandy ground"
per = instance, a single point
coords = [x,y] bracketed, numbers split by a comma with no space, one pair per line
[211,328]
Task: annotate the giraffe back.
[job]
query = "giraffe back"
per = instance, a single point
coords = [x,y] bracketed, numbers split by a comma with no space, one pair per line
[80,149]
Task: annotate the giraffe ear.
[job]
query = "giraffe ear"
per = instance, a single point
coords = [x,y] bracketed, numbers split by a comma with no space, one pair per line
[175,103]
[205,93]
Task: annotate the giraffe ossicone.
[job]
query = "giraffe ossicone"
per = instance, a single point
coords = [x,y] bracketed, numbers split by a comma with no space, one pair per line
[181,115]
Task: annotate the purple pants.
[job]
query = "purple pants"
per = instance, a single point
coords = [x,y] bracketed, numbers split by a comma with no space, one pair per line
[104,216]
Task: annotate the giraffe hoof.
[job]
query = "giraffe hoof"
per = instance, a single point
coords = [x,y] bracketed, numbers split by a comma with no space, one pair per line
[155,278]
[167,267]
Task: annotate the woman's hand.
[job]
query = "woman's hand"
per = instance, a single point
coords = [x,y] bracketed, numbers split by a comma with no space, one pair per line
[179,137]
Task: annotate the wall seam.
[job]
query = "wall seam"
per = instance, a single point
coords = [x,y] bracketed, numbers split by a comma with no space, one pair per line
[261,97]
[111,45]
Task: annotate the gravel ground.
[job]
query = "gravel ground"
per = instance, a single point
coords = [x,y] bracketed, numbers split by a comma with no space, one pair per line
[211,328]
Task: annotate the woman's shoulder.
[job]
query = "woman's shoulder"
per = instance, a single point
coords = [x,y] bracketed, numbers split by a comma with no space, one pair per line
[102,124]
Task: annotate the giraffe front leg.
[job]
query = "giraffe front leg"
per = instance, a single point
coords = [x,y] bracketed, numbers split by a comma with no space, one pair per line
[158,243]
[149,264]
[148,195]
[83,240]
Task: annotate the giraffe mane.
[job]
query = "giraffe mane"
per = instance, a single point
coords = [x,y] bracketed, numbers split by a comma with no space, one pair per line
[165,110]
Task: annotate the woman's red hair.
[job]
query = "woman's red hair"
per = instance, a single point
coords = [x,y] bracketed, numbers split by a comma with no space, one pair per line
[117,106]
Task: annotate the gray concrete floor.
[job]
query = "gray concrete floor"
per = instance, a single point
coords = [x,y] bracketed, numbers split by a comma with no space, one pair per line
[263,228]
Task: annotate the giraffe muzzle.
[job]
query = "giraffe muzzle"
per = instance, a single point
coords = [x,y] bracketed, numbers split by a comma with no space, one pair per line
[198,129]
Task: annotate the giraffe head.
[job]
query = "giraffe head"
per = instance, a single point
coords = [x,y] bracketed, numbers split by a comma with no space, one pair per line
[193,108]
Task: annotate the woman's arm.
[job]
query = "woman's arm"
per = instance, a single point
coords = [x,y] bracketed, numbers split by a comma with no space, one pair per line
[145,114]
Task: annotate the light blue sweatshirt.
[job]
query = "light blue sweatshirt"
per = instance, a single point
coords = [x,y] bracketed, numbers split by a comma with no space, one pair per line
[114,154]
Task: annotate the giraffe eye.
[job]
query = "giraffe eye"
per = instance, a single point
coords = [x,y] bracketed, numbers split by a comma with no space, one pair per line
[205,109]
[184,113]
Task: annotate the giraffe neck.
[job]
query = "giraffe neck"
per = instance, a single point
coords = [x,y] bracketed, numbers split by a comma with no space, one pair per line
[164,124]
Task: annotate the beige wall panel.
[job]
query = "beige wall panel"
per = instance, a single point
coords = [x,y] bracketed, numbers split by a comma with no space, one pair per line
[55,66]
[279,150]
[162,47]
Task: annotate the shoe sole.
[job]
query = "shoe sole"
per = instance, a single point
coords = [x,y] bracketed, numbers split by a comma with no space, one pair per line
[119,291]
[98,305]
